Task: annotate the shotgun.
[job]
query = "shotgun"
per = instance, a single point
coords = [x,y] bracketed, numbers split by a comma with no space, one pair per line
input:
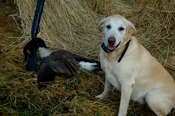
[31,65]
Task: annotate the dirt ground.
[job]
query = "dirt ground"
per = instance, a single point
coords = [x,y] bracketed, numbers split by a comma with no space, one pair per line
[8,28]
[9,31]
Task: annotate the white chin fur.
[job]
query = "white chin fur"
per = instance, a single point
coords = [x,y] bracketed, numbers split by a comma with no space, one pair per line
[87,65]
[44,52]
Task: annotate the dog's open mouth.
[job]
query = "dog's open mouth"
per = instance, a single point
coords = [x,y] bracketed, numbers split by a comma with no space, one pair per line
[111,48]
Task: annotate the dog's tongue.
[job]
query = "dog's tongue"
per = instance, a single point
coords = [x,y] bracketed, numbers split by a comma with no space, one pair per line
[111,47]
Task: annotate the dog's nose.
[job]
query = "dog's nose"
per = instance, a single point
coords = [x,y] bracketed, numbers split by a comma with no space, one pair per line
[111,40]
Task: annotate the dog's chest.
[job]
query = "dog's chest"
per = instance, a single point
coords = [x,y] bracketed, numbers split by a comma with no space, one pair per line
[116,69]
[108,66]
[116,73]
[112,73]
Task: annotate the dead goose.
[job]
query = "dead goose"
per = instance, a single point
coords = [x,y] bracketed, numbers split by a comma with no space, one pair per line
[55,62]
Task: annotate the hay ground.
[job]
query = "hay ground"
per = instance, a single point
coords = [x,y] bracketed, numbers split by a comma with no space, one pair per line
[19,95]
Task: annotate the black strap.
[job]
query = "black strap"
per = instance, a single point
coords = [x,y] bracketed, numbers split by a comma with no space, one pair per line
[127,44]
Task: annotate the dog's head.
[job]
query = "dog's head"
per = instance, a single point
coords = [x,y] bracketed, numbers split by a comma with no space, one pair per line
[116,31]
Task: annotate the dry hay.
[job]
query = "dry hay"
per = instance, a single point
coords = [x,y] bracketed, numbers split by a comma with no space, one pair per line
[73,25]
[69,25]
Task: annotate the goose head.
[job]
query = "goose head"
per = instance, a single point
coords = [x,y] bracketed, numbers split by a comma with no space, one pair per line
[32,45]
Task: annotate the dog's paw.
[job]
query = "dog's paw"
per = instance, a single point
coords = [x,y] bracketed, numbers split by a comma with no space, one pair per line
[99,96]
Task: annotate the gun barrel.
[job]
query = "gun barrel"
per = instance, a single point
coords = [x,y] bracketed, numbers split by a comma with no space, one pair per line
[31,65]
[37,17]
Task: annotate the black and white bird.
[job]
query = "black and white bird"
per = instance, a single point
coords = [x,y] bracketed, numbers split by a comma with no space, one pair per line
[57,62]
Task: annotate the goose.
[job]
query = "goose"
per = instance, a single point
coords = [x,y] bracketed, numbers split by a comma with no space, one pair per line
[57,62]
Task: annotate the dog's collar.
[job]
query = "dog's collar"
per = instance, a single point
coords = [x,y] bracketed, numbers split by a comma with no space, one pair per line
[108,51]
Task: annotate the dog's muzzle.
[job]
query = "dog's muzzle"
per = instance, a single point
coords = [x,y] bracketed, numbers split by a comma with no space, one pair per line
[106,48]
[108,51]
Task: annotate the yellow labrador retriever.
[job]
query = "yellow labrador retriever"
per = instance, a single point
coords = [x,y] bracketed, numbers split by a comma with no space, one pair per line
[130,68]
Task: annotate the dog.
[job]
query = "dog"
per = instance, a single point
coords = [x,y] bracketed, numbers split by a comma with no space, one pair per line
[130,68]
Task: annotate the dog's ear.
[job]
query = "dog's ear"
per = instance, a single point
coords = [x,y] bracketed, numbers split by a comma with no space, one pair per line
[132,28]
[101,24]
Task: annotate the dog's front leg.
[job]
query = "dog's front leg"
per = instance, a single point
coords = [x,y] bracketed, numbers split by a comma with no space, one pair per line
[106,89]
[126,91]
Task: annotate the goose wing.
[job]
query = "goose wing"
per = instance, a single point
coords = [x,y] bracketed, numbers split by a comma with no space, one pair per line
[78,58]
[52,65]
[75,56]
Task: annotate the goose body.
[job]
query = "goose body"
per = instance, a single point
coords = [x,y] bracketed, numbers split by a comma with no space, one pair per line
[57,62]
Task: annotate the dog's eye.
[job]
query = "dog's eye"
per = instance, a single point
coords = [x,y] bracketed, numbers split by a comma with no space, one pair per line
[121,29]
[108,26]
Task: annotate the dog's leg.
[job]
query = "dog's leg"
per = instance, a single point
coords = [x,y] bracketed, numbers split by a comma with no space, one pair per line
[106,89]
[159,102]
[126,91]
